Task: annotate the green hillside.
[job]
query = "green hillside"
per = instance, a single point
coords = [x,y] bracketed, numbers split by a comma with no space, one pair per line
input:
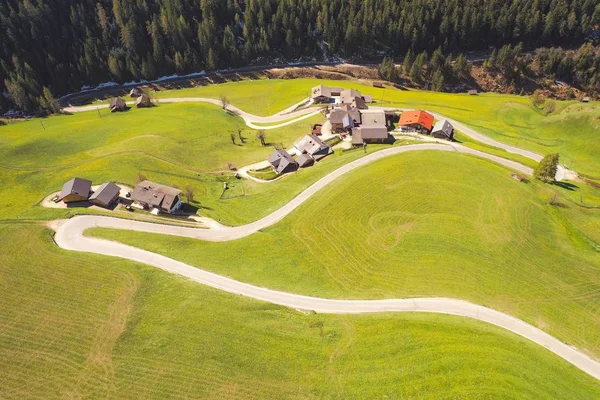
[83,326]
[424,224]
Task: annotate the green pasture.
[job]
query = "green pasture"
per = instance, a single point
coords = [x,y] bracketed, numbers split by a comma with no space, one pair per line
[572,130]
[76,325]
[425,224]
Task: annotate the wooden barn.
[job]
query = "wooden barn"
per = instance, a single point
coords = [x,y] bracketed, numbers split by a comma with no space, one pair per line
[77,189]
[143,101]
[282,161]
[106,195]
[117,104]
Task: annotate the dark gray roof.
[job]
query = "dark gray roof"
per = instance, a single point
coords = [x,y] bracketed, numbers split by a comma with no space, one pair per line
[105,193]
[78,186]
[280,160]
[373,117]
[337,116]
[373,132]
[143,101]
[304,160]
[155,194]
[443,127]
[117,103]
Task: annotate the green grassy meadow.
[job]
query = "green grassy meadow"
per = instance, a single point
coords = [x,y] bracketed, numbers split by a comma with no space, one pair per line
[424,224]
[76,325]
[572,130]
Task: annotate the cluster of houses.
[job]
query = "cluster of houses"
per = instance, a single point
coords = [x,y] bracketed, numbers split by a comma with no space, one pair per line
[350,117]
[149,195]
[141,100]
[308,150]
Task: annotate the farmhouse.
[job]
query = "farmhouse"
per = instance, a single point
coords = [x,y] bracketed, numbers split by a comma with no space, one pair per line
[153,195]
[472,92]
[416,119]
[322,93]
[348,95]
[314,147]
[373,117]
[443,130]
[369,134]
[282,161]
[340,120]
[117,104]
[106,195]
[143,101]
[353,112]
[354,99]
[585,99]
[76,189]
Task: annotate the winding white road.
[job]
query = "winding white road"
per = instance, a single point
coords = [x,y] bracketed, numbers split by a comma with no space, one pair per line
[283,118]
[70,236]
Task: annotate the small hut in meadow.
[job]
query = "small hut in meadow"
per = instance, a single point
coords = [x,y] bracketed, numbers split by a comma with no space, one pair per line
[143,101]
[135,92]
[117,104]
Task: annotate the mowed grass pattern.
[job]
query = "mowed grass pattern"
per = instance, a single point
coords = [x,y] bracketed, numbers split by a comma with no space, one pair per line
[572,130]
[75,325]
[422,224]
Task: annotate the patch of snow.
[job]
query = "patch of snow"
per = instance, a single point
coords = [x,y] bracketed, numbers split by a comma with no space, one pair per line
[107,84]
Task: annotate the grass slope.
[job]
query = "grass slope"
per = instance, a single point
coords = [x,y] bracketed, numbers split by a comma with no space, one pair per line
[176,144]
[571,131]
[423,224]
[85,326]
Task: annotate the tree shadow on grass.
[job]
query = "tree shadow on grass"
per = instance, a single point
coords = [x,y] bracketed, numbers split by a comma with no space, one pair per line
[566,185]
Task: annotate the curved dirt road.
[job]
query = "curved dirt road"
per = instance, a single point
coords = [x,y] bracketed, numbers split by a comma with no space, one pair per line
[289,116]
[70,236]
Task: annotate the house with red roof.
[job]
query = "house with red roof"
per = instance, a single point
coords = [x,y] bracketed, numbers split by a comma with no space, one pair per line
[416,119]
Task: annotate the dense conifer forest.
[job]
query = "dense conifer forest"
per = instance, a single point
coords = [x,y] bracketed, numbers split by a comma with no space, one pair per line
[52,47]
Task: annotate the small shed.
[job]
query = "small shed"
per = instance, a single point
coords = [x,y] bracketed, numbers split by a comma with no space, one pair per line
[304,160]
[378,85]
[585,99]
[135,92]
[106,195]
[472,92]
[282,161]
[143,101]
[77,189]
[443,130]
[117,104]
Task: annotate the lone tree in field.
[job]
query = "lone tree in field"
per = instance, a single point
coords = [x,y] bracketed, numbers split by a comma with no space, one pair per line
[546,169]
[240,136]
[260,135]
[224,102]
[189,194]
[232,137]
